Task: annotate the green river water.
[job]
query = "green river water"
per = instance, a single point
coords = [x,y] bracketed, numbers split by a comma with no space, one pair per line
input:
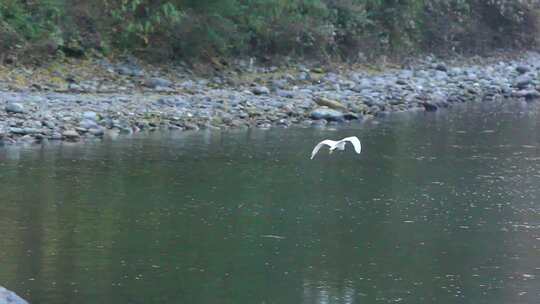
[439,208]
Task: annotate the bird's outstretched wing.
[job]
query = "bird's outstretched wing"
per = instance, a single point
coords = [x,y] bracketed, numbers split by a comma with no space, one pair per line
[327,142]
[355,142]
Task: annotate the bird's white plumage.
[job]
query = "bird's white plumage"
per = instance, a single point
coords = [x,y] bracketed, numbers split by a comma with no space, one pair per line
[327,142]
[340,145]
[355,142]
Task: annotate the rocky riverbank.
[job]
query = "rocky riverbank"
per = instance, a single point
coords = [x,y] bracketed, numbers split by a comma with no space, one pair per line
[97,98]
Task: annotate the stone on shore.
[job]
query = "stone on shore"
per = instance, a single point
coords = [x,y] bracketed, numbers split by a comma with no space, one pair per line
[332,104]
[98,132]
[156,82]
[522,69]
[441,67]
[14,107]
[71,135]
[260,90]
[123,104]
[129,70]
[528,94]
[523,81]
[429,106]
[88,124]
[327,114]
[93,116]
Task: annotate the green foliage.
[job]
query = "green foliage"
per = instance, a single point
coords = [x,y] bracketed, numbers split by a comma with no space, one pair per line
[286,26]
[136,22]
[31,20]
[207,28]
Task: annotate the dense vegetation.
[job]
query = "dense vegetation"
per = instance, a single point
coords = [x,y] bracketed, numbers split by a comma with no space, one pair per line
[191,29]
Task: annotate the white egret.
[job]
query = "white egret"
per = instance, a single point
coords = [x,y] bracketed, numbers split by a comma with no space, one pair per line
[340,145]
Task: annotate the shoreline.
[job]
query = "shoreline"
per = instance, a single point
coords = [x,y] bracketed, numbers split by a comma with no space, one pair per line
[74,102]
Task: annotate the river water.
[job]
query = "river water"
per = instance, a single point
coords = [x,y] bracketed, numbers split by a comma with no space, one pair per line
[439,208]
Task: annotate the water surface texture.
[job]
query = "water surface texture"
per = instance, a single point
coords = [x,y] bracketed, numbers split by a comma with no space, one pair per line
[439,208]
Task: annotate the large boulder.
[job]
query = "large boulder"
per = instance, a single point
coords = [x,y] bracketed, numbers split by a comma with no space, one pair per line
[522,69]
[429,106]
[90,115]
[523,81]
[156,82]
[9,297]
[530,95]
[332,104]
[327,114]
[14,107]
[71,135]
[260,90]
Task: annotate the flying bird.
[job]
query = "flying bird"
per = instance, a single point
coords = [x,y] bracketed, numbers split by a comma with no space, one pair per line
[340,145]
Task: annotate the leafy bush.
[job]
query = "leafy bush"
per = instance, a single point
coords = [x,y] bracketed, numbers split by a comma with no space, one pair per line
[207,28]
[31,20]
[137,22]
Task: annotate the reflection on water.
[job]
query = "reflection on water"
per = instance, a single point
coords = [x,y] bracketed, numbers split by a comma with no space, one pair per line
[439,208]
